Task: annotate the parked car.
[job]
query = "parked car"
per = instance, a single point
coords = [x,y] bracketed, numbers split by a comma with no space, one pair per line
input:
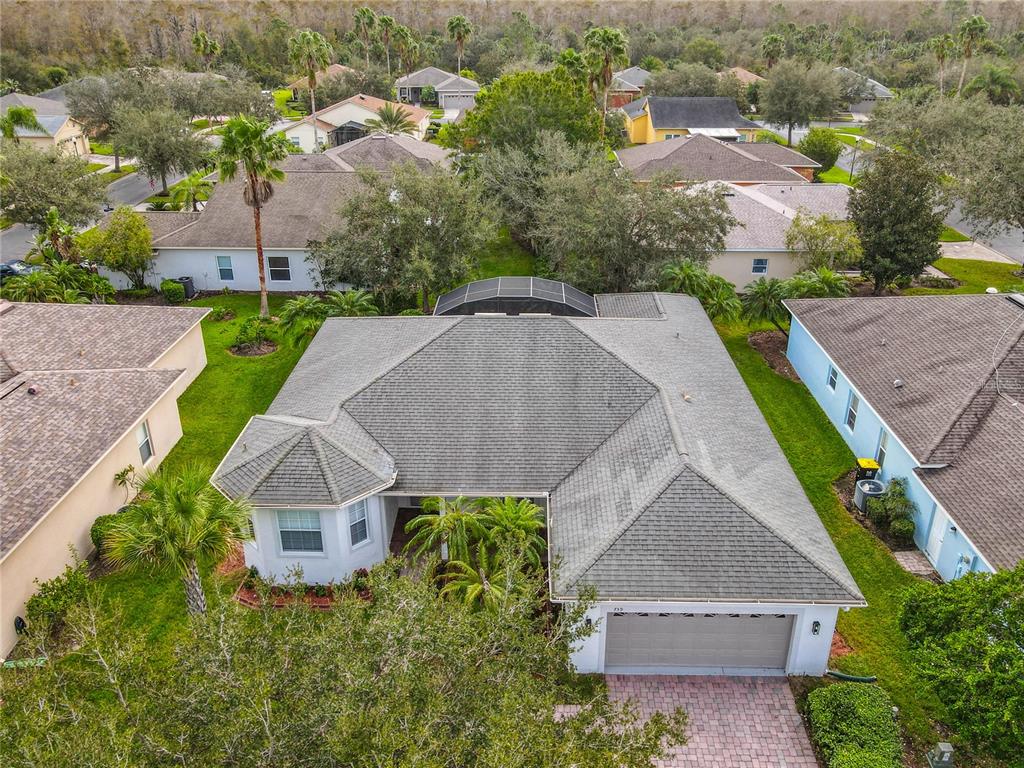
[15,268]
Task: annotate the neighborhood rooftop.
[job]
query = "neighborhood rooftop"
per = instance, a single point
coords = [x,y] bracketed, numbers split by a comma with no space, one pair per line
[691,112]
[765,212]
[640,432]
[946,375]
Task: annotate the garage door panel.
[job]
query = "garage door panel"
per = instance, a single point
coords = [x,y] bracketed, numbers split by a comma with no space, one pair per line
[697,640]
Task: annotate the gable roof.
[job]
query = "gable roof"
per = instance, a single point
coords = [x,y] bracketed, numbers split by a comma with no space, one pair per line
[778,154]
[688,112]
[42,107]
[745,76]
[332,70]
[382,151]
[568,406]
[631,79]
[458,84]
[702,158]
[373,104]
[764,212]
[960,361]
[878,90]
[438,78]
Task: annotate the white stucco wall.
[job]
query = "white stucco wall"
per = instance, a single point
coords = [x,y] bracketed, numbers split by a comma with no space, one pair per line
[339,558]
[808,652]
[187,354]
[303,131]
[737,266]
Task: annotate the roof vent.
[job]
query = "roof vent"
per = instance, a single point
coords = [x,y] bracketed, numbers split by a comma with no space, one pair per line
[32,390]
[897,384]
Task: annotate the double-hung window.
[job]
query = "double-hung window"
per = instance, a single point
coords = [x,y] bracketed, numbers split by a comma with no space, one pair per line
[851,412]
[883,448]
[280,268]
[833,377]
[759,267]
[224,268]
[144,442]
[358,528]
[300,530]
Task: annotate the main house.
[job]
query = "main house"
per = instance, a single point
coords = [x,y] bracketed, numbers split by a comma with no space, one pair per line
[932,387]
[346,121]
[85,391]
[216,247]
[453,91]
[623,416]
[57,129]
[657,118]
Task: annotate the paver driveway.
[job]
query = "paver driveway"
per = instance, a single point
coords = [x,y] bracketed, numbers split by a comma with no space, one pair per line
[735,722]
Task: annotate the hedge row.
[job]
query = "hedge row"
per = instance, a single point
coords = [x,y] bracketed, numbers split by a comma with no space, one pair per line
[854,726]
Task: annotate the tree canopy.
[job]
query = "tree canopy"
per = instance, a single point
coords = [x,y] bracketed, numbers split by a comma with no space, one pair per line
[123,245]
[160,140]
[37,181]
[797,93]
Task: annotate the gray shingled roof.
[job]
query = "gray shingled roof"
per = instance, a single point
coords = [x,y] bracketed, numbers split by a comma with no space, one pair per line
[778,154]
[40,106]
[635,305]
[382,151]
[702,158]
[961,361]
[439,79]
[606,415]
[634,76]
[696,112]
[764,212]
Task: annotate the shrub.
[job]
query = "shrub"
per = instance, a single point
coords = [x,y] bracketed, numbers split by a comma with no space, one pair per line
[138,293]
[903,529]
[55,597]
[172,291]
[98,532]
[251,334]
[854,726]
[411,312]
[876,511]
[219,313]
[428,95]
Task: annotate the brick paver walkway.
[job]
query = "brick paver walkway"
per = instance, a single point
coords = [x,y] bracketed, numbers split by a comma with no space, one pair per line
[735,722]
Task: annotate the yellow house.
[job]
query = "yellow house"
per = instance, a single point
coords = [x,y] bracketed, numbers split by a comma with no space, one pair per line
[656,118]
[58,130]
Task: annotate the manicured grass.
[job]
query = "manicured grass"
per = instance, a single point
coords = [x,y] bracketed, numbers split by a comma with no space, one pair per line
[95,167]
[854,129]
[436,114]
[837,175]
[281,99]
[950,235]
[198,125]
[5,223]
[112,176]
[974,276]
[818,455]
[504,257]
[99,148]
[853,141]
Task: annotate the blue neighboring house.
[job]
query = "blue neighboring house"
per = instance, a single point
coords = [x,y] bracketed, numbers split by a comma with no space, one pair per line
[933,388]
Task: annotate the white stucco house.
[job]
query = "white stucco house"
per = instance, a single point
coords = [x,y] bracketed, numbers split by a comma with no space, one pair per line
[621,415]
[345,121]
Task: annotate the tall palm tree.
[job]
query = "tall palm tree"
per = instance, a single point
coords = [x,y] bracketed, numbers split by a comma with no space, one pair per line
[972,33]
[518,521]
[205,47]
[311,53]
[996,83]
[386,27]
[454,523]
[366,23]
[246,147]
[607,46]
[477,584]
[354,303]
[773,48]
[943,46]
[459,31]
[391,119]
[762,302]
[404,42]
[190,190]
[18,117]
[178,523]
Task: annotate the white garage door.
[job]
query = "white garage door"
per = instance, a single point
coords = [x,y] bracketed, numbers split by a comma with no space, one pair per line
[697,640]
[457,101]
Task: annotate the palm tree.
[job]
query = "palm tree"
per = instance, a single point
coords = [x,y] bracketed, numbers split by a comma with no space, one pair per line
[818,283]
[205,47]
[311,53]
[404,42]
[454,524]
[178,523]
[459,31]
[475,583]
[391,119]
[18,117]
[353,303]
[386,26]
[607,47]
[762,302]
[720,301]
[39,286]
[943,46]
[575,64]
[246,146]
[57,240]
[190,190]
[685,276]
[972,33]
[518,521]
[996,83]
[773,48]
[302,317]
[366,22]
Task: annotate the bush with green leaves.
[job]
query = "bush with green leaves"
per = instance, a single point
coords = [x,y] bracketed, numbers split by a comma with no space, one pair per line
[854,726]
[98,531]
[55,597]
[823,146]
[252,333]
[220,312]
[894,510]
[173,291]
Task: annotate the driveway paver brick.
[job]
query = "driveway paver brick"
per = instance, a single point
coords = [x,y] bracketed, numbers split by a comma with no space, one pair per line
[735,722]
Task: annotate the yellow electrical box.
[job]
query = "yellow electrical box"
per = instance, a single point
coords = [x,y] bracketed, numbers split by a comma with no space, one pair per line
[867,469]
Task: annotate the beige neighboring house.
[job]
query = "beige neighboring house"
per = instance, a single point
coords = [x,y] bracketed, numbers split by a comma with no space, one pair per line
[346,120]
[302,83]
[85,391]
[745,76]
[58,129]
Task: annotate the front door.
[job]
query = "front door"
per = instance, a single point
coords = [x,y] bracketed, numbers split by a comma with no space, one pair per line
[936,534]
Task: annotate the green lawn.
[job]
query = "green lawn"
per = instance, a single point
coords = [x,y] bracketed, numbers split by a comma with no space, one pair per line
[5,223]
[836,175]
[198,125]
[112,176]
[950,235]
[94,167]
[818,455]
[504,257]
[99,148]
[281,99]
[975,277]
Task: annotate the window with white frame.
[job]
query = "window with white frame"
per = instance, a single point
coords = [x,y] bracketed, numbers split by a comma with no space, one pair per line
[296,141]
[224,268]
[759,267]
[280,268]
[358,528]
[672,135]
[883,448]
[851,411]
[833,377]
[300,530]
[144,442]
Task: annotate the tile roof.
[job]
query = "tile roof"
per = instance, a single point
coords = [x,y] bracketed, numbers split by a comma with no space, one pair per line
[960,361]
[702,158]
[382,151]
[695,112]
[625,425]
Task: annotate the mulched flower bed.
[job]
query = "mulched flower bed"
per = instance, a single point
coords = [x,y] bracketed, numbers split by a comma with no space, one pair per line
[772,346]
[840,647]
[260,349]
[843,488]
[283,597]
